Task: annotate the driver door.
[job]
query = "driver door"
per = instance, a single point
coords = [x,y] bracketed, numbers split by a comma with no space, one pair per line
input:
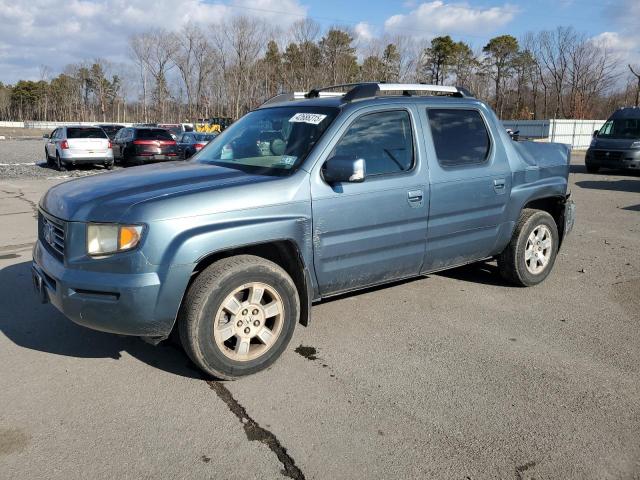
[375,231]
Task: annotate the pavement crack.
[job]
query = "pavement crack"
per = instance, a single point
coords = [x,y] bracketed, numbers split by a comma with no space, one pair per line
[20,196]
[255,432]
[523,468]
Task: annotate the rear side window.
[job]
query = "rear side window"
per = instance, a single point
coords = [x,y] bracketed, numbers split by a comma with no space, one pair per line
[153,134]
[460,137]
[76,132]
[384,140]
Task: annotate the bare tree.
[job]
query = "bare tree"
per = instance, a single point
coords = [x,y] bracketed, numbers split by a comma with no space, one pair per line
[636,73]
[140,52]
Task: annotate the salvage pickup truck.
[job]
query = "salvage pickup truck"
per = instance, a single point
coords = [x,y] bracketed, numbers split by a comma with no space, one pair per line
[309,196]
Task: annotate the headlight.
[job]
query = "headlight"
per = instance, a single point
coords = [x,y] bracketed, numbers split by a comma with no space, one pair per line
[106,238]
[635,144]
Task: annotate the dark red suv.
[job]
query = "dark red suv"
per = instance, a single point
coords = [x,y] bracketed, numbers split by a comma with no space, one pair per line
[137,145]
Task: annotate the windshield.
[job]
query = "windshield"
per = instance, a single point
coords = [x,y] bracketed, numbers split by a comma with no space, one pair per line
[621,128]
[271,141]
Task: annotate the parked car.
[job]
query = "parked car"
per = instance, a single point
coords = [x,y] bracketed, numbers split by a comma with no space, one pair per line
[191,142]
[111,129]
[138,145]
[176,129]
[76,145]
[300,200]
[617,143]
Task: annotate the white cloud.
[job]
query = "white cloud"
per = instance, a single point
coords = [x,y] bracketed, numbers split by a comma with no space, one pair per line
[625,47]
[364,32]
[439,17]
[56,33]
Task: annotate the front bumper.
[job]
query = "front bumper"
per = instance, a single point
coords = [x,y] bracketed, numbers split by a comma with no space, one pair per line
[140,304]
[598,157]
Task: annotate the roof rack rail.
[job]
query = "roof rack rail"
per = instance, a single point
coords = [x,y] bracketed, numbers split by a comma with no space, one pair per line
[358,91]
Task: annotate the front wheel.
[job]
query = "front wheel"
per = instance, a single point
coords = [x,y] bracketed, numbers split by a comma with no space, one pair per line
[529,257]
[238,316]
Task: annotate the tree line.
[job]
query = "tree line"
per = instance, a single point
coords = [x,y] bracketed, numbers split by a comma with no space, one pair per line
[202,72]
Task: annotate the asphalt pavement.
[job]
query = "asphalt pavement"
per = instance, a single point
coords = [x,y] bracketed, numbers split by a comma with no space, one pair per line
[453,376]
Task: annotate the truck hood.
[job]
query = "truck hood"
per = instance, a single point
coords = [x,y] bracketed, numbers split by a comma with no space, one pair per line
[106,197]
[614,143]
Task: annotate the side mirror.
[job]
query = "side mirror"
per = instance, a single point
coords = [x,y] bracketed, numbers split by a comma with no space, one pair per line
[595,133]
[45,135]
[344,169]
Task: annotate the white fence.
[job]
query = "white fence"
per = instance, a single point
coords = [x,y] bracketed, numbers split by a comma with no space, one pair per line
[577,133]
[52,125]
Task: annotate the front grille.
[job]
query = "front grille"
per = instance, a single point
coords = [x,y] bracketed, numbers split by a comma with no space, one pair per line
[607,156]
[51,232]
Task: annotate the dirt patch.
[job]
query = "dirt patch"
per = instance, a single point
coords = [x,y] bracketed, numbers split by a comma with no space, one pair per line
[310,353]
[627,294]
[12,440]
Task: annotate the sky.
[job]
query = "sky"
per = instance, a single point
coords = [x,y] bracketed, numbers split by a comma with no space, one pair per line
[54,33]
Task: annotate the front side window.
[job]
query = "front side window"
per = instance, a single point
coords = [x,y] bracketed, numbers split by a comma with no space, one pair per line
[460,137]
[384,140]
[269,141]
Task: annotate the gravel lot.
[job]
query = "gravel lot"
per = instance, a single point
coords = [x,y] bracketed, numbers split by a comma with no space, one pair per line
[453,376]
[25,159]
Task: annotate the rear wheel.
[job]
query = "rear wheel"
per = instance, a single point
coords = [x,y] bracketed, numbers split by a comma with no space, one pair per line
[60,165]
[238,316]
[529,257]
[109,165]
[592,168]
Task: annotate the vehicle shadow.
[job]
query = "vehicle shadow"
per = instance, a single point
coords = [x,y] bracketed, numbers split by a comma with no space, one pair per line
[480,272]
[615,185]
[29,324]
[83,167]
[573,168]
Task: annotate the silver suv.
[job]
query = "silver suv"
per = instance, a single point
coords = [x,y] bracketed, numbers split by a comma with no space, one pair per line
[78,144]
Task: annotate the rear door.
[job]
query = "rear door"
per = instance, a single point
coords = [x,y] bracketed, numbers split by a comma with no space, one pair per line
[470,185]
[375,231]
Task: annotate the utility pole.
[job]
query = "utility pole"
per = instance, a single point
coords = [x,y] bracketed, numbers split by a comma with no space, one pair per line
[637,75]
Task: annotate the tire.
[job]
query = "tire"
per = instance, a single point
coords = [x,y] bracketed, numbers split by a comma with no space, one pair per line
[47,157]
[60,165]
[108,165]
[513,263]
[592,168]
[228,345]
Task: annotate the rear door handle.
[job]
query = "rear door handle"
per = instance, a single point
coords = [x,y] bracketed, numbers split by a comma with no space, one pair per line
[499,185]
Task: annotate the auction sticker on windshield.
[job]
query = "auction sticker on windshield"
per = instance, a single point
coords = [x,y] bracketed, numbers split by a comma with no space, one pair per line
[312,118]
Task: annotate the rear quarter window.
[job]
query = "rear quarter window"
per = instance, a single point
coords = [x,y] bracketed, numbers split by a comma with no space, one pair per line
[460,137]
[75,132]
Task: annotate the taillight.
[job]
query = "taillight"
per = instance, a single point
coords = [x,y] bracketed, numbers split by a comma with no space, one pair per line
[109,144]
[64,145]
[145,142]
[199,145]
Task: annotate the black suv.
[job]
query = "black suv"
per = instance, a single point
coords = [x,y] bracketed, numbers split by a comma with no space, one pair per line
[138,145]
[617,143]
